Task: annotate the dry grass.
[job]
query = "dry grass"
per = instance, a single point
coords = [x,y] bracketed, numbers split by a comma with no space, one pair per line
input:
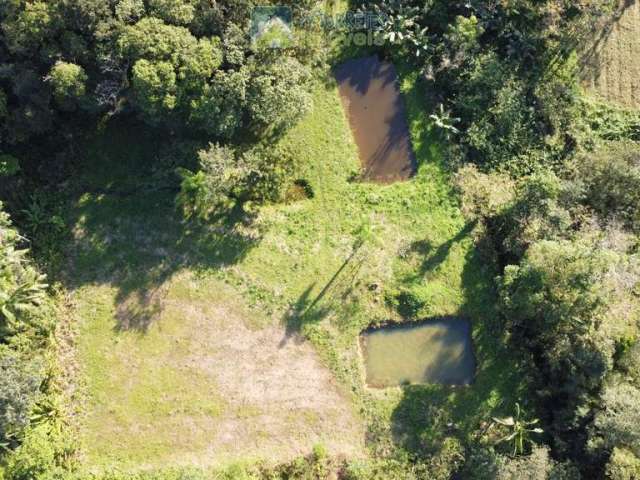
[205,385]
[611,63]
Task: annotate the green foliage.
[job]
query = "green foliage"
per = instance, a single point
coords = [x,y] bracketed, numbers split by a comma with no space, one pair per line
[617,424]
[537,466]
[557,289]
[21,286]
[9,165]
[629,363]
[31,26]
[623,465]
[494,105]
[519,430]
[130,11]
[609,181]
[220,109]
[68,81]
[177,12]
[279,95]
[215,186]
[20,380]
[536,213]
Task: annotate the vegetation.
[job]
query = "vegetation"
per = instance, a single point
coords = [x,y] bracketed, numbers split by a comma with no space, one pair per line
[190,193]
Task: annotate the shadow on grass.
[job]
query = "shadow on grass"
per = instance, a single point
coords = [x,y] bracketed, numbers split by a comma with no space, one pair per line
[309,309]
[427,414]
[135,239]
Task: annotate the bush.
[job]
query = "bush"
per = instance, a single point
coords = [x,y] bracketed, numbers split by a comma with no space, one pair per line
[610,181]
[617,424]
[20,380]
[623,465]
[35,459]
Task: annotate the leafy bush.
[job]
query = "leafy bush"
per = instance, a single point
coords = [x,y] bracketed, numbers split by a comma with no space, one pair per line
[617,424]
[20,380]
[623,465]
[610,181]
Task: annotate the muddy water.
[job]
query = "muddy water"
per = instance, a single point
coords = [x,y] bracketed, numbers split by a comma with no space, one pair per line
[370,94]
[434,351]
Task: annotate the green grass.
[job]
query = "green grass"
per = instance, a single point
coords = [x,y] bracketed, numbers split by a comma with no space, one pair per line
[323,266]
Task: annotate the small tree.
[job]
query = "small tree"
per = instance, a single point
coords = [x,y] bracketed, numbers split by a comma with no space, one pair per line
[68,81]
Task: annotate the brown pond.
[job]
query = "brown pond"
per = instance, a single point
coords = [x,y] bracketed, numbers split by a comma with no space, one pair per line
[371,96]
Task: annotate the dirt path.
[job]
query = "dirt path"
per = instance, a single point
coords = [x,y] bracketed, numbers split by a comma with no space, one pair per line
[611,63]
[370,95]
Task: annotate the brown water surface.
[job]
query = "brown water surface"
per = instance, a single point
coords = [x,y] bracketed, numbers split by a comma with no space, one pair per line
[371,96]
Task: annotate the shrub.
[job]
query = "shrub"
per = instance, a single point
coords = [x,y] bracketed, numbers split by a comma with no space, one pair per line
[617,424]
[20,381]
[35,459]
[623,465]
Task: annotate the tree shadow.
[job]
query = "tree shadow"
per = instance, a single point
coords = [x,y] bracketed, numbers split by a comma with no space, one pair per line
[590,59]
[135,239]
[309,309]
[436,255]
[427,414]
[370,93]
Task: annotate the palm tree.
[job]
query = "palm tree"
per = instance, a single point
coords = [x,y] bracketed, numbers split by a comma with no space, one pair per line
[520,430]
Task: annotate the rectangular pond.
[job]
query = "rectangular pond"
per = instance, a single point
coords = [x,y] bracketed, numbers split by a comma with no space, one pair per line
[371,96]
[434,351]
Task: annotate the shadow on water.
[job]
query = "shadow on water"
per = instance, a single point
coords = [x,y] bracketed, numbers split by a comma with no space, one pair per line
[371,96]
[434,351]
[133,238]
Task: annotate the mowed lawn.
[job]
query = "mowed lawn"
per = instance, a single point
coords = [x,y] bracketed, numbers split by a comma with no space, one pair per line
[191,338]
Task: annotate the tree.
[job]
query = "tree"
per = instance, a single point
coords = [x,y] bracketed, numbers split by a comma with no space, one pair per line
[171,67]
[31,27]
[215,187]
[220,109]
[154,84]
[279,95]
[623,465]
[68,81]
[176,12]
[130,11]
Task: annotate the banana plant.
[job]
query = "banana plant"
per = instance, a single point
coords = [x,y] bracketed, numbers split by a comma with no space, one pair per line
[400,24]
[519,430]
[444,121]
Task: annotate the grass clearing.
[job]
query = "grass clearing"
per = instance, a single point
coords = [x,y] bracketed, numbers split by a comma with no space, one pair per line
[174,317]
[611,68]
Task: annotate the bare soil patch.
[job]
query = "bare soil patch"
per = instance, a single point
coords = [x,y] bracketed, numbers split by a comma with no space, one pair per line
[611,60]
[371,96]
[205,384]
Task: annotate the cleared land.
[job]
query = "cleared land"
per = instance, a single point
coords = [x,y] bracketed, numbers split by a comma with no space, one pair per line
[184,327]
[611,62]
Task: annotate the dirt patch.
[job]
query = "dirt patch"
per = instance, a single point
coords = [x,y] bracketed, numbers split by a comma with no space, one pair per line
[207,384]
[611,60]
[371,96]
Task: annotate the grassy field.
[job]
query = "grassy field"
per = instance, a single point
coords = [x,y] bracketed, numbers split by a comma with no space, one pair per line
[192,338]
[611,67]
